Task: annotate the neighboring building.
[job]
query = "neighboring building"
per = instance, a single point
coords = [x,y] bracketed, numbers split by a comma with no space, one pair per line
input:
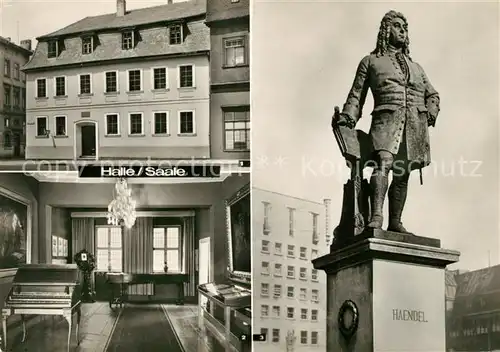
[289,295]
[474,321]
[229,22]
[13,97]
[132,84]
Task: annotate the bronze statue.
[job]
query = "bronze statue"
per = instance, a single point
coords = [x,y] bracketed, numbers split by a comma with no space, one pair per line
[405,104]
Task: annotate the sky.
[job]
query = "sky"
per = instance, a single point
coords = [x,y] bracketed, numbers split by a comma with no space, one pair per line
[28,19]
[304,57]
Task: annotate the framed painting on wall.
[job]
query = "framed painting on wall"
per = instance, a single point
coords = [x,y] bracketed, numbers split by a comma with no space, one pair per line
[15,229]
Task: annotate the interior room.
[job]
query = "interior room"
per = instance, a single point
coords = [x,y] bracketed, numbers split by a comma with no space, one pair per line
[116,264]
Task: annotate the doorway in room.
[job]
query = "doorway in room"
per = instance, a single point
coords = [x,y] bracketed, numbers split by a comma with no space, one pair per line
[204,266]
[86,140]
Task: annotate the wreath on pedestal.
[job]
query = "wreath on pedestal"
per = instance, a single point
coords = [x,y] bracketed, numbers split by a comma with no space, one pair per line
[85,261]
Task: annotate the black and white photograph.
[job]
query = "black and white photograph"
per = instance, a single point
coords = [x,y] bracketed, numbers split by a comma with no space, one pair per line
[375,173]
[125,264]
[124,80]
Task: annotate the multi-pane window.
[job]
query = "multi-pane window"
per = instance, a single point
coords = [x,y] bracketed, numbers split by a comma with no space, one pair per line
[303,253]
[303,313]
[276,335]
[303,294]
[290,272]
[277,269]
[265,268]
[277,291]
[136,123]
[237,128]
[186,122]
[134,80]
[52,49]
[6,67]
[264,331]
[17,97]
[264,289]
[290,250]
[290,291]
[60,125]
[278,248]
[127,40]
[314,275]
[16,71]
[160,78]
[314,314]
[314,337]
[303,337]
[160,123]
[314,253]
[23,98]
[303,273]
[314,295]
[175,34]
[87,46]
[186,76]
[85,84]
[112,127]
[7,94]
[109,249]
[276,311]
[60,86]
[315,228]
[167,249]
[41,126]
[290,311]
[291,221]
[234,50]
[111,82]
[267,211]
[41,88]
[265,246]
[264,310]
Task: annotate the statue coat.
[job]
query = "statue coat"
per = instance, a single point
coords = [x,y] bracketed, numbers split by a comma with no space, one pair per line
[404,106]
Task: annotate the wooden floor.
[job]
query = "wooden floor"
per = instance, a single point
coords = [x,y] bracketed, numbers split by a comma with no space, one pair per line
[97,326]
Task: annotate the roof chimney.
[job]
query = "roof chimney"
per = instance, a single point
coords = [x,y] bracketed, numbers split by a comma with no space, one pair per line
[121,8]
[26,44]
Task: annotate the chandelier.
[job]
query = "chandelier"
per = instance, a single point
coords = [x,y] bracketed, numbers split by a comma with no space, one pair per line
[121,210]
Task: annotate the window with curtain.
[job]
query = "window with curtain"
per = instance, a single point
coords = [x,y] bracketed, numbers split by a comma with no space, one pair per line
[167,248]
[109,248]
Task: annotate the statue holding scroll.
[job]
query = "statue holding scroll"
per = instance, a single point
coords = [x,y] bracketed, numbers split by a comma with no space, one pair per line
[405,105]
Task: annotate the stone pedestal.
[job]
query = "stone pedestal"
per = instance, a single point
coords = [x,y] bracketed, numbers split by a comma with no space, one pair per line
[397,284]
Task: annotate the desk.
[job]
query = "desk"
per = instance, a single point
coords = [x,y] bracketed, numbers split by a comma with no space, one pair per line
[121,281]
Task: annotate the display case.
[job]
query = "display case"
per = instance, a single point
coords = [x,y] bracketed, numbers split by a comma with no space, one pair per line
[225,310]
[227,315]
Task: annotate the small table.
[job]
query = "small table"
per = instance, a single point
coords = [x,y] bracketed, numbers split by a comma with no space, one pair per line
[120,283]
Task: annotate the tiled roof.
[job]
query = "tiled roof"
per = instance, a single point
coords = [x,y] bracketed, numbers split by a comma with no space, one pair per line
[154,40]
[14,46]
[148,15]
[219,10]
[479,281]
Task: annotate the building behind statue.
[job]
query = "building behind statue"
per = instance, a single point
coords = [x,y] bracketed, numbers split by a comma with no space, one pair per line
[289,295]
[473,310]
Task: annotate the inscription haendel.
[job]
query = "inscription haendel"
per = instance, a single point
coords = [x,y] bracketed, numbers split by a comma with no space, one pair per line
[409,315]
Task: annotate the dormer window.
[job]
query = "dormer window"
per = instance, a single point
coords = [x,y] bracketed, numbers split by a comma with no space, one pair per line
[176,34]
[53,49]
[127,40]
[87,45]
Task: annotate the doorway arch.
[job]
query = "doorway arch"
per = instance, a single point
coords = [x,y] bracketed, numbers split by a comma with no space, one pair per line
[85,145]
